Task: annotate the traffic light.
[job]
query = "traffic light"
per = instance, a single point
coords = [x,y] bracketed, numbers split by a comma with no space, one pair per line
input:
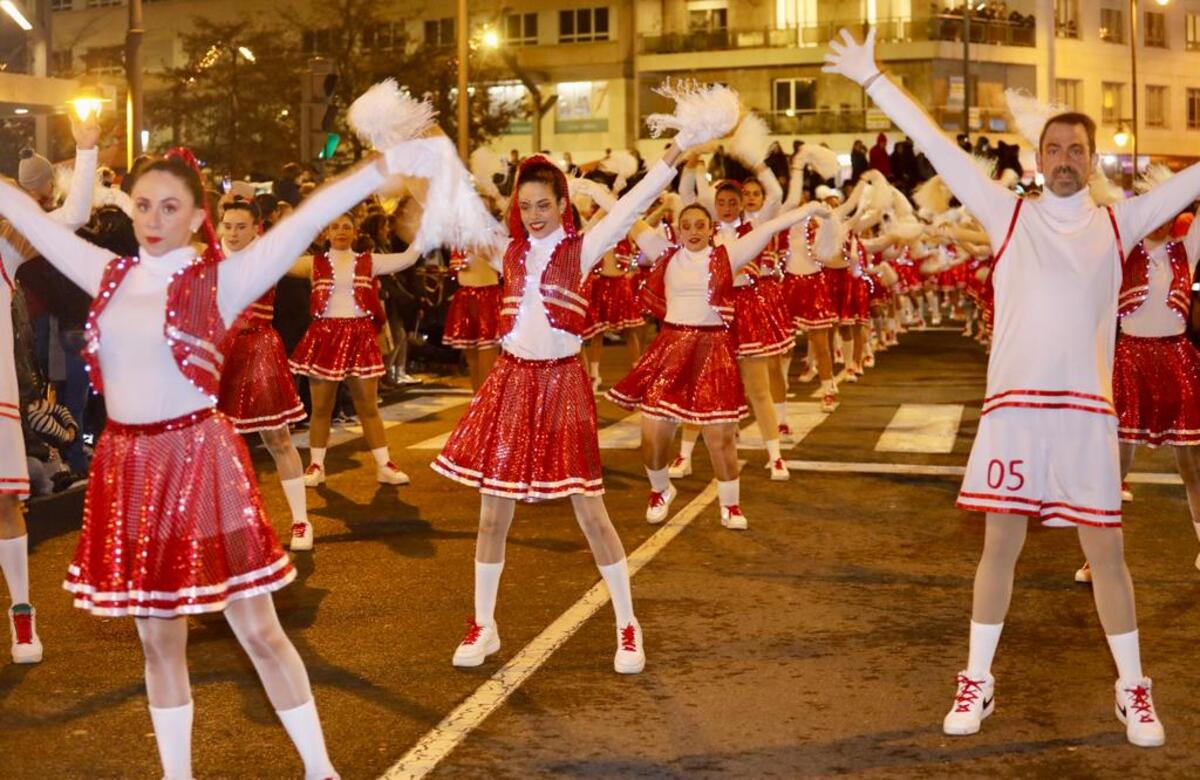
[319,110]
[331,144]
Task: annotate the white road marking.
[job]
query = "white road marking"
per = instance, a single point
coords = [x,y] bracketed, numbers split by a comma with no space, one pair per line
[432,748]
[624,434]
[393,414]
[922,428]
[802,417]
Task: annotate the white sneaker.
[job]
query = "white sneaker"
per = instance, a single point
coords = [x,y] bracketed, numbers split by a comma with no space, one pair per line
[869,361]
[1126,493]
[680,467]
[390,474]
[314,475]
[22,626]
[659,505]
[829,402]
[1084,573]
[733,519]
[631,654]
[595,384]
[809,373]
[779,470]
[302,537]
[785,434]
[1135,709]
[478,643]
[851,375]
[974,701]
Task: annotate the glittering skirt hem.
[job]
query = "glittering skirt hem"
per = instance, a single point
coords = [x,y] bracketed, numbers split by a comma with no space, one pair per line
[473,318]
[334,348]
[1156,390]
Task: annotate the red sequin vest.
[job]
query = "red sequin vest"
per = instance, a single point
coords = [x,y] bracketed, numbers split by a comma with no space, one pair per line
[565,289]
[366,289]
[653,296]
[193,325]
[1135,280]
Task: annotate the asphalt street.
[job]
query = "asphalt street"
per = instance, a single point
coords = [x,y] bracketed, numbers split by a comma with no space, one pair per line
[823,641]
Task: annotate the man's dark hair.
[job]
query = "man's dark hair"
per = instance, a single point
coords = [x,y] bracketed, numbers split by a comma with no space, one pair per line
[1072,118]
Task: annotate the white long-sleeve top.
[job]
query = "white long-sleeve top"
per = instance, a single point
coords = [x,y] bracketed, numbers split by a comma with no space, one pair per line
[532,336]
[341,303]
[1060,273]
[141,379]
[1154,318]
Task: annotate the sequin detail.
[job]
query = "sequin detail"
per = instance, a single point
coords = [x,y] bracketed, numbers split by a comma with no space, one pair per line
[473,318]
[257,389]
[334,348]
[1156,390]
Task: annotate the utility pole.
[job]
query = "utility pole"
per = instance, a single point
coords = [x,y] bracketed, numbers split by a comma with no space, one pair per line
[134,101]
[464,100]
[966,117]
[1133,36]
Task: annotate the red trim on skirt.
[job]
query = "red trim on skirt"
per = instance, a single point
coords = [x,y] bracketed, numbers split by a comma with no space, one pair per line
[808,301]
[173,523]
[1156,390]
[473,319]
[257,389]
[689,373]
[760,325]
[334,348]
[529,433]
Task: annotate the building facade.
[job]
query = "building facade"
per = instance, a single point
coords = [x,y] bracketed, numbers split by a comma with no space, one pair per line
[602,60]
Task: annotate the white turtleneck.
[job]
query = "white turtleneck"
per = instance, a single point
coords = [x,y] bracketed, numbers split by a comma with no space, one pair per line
[341,303]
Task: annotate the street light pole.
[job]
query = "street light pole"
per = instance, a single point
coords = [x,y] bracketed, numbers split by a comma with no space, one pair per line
[1133,35]
[966,118]
[133,77]
[463,99]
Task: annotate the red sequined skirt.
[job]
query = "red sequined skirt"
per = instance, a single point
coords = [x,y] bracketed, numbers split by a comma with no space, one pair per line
[473,319]
[334,348]
[760,327]
[257,390]
[615,302]
[851,297]
[173,523]
[910,277]
[808,300]
[529,433]
[1156,390]
[689,373]
[953,278]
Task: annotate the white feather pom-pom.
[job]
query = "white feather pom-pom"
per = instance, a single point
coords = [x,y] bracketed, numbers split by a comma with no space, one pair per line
[901,205]
[702,112]
[1030,114]
[620,163]
[112,196]
[384,116]
[1103,191]
[933,196]
[820,158]
[599,194]
[1153,176]
[749,140]
[486,165]
[454,215]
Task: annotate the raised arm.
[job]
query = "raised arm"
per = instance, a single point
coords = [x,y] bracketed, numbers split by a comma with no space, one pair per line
[1138,217]
[1191,242]
[795,188]
[706,196]
[772,190]
[76,210]
[752,244]
[616,223]
[687,183]
[652,244]
[982,196]
[81,262]
[394,262]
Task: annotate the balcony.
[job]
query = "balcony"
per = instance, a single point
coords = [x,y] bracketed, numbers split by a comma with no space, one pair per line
[945,27]
[824,121]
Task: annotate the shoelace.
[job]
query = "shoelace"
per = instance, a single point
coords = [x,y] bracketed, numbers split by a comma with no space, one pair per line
[678,462]
[1141,704]
[23,624]
[733,510]
[629,639]
[299,530]
[657,499]
[785,430]
[473,632]
[391,466]
[779,464]
[313,468]
[968,692]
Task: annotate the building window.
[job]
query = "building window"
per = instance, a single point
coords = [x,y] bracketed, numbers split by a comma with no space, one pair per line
[1193,108]
[316,41]
[521,29]
[105,60]
[580,25]
[1066,18]
[62,62]
[1156,106]
[1192,31]
[62,5]
[1066,93]
[1112,102]
[103,3]
[1112,25]
[383,37]
[439,32]
[792,95]
[708,16]
[1156,29]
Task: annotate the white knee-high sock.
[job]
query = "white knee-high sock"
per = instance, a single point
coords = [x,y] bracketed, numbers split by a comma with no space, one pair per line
[729,493]
[316,456]
[616,576]
[773,451]
[173,733]
[381,455]
[686,447]
[487,585]
[660,479]
[293,491]
[14,561]
[984,639]
[1128,656]
[781,412]
[304,727]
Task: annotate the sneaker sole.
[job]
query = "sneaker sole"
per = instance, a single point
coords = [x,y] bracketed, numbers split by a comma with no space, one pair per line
[666,511]
[735,527]
[300,545]
[780,477]
[951,731]
[629,668]
[397,483]
[21,658]
[1146,743]
[471,663]
[1085,579]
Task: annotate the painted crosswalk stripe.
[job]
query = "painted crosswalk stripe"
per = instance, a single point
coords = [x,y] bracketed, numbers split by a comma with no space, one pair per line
[802,418]
[393,414]
[624,434]
[922,428]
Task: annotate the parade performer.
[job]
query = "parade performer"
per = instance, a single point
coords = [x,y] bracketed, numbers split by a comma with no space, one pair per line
[687,375]
[173,523]
[257,393]
[1047,440]
[37,177]
[342,343]
[530,432]
[473,319]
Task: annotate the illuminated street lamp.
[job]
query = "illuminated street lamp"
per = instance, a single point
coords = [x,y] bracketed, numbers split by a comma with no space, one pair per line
[10,8]
[246,54]
[490,39]
[1121,137]
[88,103]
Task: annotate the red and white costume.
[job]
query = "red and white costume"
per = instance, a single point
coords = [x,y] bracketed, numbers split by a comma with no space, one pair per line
[615,304]
[343,338]
[473,318]
[530,432]
[806,286]
[1156,371]
[15,250]
[257,392]
[173,523]
[849,288]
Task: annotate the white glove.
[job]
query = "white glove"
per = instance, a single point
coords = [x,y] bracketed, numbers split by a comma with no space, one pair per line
[853,60]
